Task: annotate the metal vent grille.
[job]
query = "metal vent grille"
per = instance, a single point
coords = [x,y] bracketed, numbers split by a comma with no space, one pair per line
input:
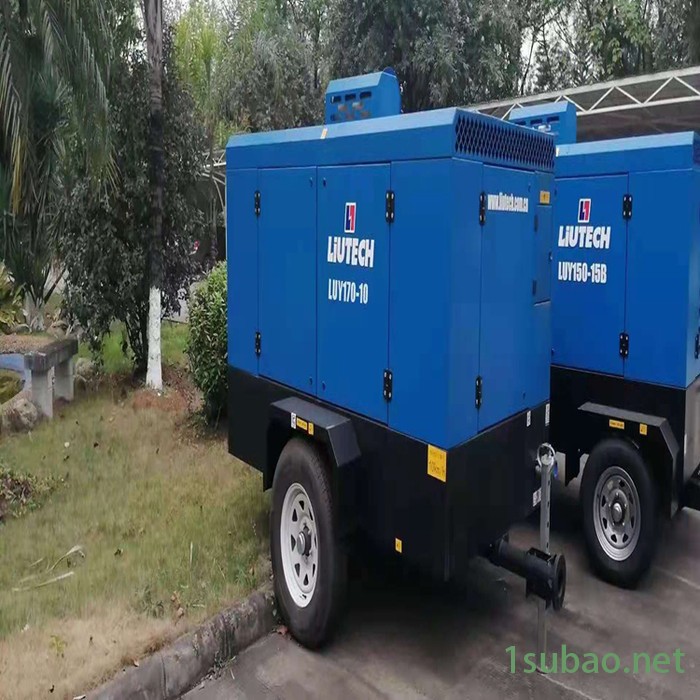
[493,139]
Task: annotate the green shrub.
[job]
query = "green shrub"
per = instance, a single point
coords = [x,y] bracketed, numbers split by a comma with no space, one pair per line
[10,300]
[207,346]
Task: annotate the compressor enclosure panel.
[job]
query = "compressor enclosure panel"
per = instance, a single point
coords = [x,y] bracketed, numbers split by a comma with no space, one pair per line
[626,297]
[396,268]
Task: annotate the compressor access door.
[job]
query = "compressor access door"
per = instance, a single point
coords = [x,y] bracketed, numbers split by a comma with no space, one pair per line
[353,287]
[508,247]
[588,292]
[287,264]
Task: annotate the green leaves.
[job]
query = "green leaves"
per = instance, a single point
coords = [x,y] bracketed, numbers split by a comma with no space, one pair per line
[47,46]
[105,239]
[207,345]
[584,41]
[445,52]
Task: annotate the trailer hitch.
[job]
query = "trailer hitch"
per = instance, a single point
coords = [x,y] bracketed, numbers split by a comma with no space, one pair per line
[545,574]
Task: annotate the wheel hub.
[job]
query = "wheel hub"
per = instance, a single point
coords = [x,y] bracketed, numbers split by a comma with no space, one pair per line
[299,545]
[616,513]
[304,542]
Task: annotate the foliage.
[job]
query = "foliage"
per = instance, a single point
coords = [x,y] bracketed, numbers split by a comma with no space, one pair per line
[10,300]
[51,92]
[20,492]
[106,240]
[445,52]
[200,46]
[583,41]
[207,346]
[268,78]
[49,72]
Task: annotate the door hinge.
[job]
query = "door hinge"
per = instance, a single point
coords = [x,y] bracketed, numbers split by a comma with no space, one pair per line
[388,384]
[627,207]
[390,198]
[624,345]
[482,208]
[697,345]
[258,344]
[257,202]
[537,223]
[478,393]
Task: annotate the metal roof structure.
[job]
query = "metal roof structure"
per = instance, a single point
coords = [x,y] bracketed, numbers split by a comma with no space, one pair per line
[644,104]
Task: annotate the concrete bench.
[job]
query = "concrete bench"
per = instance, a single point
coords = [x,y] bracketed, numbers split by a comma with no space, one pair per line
[52,369]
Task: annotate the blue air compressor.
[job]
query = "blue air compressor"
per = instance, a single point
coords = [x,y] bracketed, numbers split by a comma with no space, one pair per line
[389,338]
[625,329]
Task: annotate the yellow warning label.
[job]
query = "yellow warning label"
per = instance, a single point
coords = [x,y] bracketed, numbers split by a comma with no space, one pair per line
[324,133]
[620,425]
[311,428]
[545,197]
[437,463]
[302,424]
[643,428]
[398,545]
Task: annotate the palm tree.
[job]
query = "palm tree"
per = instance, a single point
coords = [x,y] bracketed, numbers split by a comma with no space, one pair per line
[153,19]
[51,89]
[200,44]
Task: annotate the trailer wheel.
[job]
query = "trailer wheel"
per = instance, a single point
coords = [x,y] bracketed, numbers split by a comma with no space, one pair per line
[308,562]
[619,512]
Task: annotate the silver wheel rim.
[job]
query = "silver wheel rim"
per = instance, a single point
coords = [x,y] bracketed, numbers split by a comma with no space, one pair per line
[616,513]
[299,545]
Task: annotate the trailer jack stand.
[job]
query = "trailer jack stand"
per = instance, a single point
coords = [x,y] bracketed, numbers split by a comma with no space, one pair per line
[544,573]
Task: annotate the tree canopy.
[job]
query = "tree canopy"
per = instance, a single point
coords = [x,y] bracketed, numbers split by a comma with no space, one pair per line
[74,120]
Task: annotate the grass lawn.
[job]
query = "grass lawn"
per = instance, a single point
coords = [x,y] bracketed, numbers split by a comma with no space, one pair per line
[172,528]
[173,342]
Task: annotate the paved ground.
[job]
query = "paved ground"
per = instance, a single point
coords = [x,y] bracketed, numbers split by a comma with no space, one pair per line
[407,640]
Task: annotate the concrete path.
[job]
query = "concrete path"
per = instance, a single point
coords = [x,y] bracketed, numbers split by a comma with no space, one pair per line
[407,640]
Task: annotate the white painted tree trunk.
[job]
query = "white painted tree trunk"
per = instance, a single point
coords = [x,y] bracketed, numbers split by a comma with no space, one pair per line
[154,374]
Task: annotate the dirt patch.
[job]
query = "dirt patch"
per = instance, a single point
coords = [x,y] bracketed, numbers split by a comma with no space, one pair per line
[70,656]
[23,342]
[179,394]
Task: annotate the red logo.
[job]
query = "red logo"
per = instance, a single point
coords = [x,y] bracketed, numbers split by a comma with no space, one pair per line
[350,217]
[584,211]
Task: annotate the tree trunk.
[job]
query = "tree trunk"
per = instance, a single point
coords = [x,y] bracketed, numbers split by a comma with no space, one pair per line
[694,32]
[153,17]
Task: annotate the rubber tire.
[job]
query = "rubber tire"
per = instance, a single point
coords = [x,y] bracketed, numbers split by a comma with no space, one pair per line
[303,462]
[614,452]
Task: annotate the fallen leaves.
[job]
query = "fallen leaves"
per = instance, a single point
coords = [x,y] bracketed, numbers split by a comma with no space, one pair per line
[29,583]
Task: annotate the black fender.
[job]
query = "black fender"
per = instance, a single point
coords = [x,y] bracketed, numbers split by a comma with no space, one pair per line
[651,435]
[333,431]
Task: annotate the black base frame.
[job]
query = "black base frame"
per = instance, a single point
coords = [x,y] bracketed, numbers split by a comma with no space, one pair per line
[662,422]
[381,478]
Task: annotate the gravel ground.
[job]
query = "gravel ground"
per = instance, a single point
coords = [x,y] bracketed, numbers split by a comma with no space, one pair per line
[22,342]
